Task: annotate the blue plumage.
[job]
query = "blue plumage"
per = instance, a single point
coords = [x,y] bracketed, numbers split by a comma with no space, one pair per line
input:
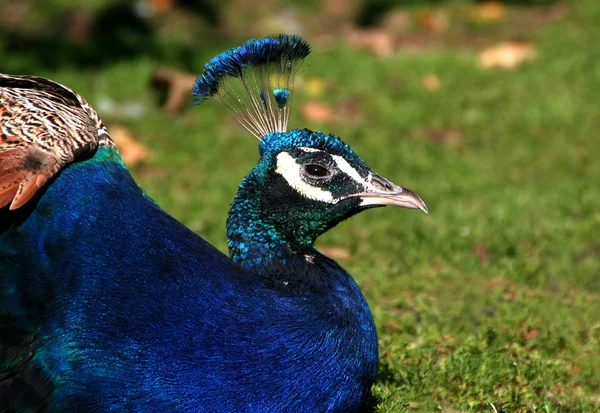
[108,304]
[146,316]
[281,97]
[281,50]
[254,82]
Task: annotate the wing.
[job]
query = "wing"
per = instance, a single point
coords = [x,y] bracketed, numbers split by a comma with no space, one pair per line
[43,127]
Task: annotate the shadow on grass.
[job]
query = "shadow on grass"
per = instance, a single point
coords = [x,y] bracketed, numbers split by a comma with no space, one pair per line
[385,374]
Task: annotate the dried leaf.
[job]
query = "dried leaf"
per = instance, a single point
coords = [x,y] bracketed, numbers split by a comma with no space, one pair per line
[532,333]
[349,112]
[529,333]
[132,152]
[337,253]
[489,11]
[497,283]
[179,85]
[481,252]
[377,41]
[390,325]
[80,26]
[431,82]
[338,8]
[162,6]
[397,22]
[437,266]
[447,136]
[436,22]
[417,343]
[507,55]
[317,112]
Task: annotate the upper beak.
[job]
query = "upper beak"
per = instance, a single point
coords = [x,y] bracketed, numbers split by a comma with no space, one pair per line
[383,192]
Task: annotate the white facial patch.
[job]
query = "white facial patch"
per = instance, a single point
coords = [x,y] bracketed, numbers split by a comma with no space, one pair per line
[343,166]
[290,170]
[346,168]
[307,149]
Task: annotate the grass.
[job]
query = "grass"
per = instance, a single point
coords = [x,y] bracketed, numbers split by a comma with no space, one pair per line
[490,303]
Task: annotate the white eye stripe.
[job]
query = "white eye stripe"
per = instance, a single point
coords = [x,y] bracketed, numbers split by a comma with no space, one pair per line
[290,170]
[346,168]
[343,166]
[307,149]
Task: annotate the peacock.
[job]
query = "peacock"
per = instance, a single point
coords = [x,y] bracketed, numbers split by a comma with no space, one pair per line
[109,304]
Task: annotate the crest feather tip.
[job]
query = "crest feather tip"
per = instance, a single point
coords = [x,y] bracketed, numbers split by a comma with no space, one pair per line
[254,81]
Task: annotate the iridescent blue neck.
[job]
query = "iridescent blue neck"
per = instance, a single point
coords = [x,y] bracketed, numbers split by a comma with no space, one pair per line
[254,243]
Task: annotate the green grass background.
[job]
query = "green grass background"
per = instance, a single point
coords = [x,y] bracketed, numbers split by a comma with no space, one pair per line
[490,303]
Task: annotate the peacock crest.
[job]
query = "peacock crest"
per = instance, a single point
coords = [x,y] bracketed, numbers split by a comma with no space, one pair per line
[254,82]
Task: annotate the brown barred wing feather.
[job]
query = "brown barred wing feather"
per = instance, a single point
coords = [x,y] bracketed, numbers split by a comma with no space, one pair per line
[44,126]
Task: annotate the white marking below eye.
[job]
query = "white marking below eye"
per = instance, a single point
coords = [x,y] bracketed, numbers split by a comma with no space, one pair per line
[290,170]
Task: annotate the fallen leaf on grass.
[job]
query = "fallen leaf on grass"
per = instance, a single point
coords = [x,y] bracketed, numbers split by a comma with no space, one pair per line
[487,12]
[529,333]
[179,85]
[498,283]
[397,22]
[390,325]
[338,8]
[337,253]
[507,55]
[317,112]
[431,82]
[349,112]
[132,152]
[447,136]
[437,266]
[436,22]
[417,343]
[481,252]
[377,41]
[162,6]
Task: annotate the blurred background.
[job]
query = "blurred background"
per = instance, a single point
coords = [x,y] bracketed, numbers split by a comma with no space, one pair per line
[487,109]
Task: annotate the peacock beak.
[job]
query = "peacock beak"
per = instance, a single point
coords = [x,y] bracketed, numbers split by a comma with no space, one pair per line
[380,191]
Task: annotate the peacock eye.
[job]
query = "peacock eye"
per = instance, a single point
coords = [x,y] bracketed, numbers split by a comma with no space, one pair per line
[316,171]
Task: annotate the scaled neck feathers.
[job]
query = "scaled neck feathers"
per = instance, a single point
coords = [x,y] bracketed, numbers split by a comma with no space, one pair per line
[255,236]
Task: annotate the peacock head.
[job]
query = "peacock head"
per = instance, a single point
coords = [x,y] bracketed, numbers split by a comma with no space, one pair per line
[311,181]
[305,182]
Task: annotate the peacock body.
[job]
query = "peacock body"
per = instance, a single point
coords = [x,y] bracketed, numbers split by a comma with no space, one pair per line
[108,304]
